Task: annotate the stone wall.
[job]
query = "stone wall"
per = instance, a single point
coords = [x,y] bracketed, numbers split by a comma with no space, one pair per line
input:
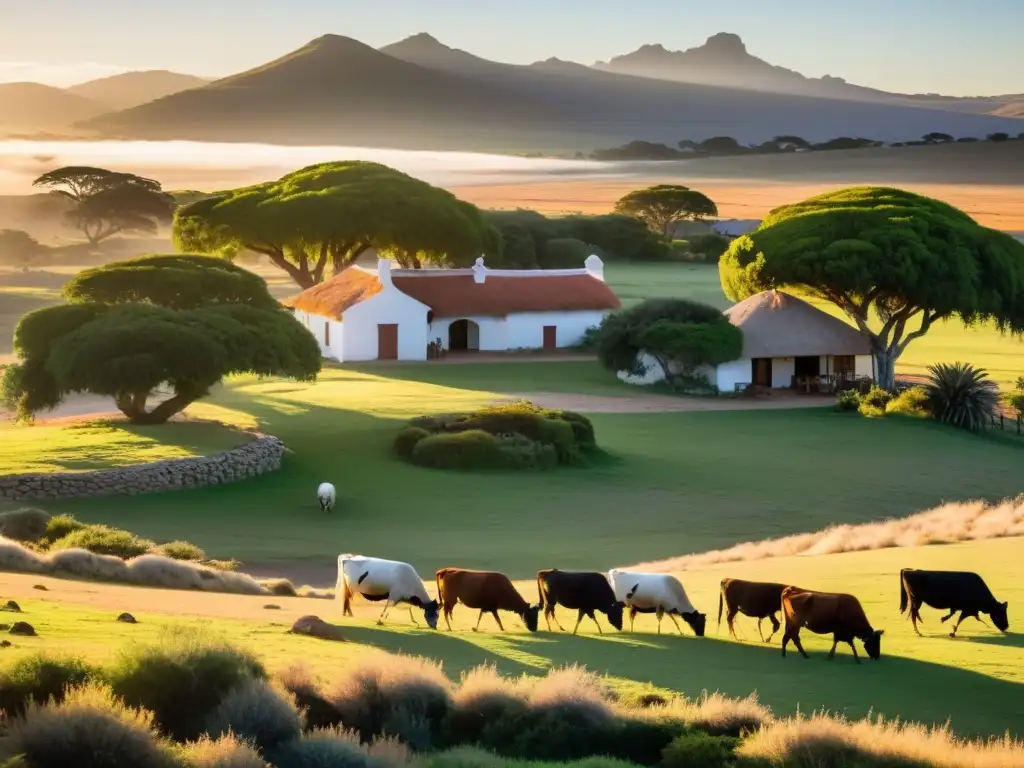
[262,454]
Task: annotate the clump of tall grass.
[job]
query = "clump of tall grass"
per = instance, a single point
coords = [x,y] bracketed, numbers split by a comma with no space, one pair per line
[227,751]
[40,678]
[715,713]
[27,524]
[257,712]
[336,748]
[182,679]
[825,740]
[306,690]
[946,524]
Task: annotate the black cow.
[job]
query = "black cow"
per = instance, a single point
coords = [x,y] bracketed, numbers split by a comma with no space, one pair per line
[579,591]
[953,591]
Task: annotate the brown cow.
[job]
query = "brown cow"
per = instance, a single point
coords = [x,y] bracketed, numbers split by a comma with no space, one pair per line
[758,599]
[826,613]
[485,591]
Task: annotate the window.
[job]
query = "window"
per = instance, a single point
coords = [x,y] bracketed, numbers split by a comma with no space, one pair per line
[844,363]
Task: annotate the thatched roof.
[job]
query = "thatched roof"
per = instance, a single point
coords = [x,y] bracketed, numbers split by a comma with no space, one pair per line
[332,297]
[776,324]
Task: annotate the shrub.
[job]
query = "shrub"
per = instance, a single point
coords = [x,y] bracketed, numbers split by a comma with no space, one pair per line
[226,752]
[319,712]
[873,402]
[696,749]
[257,713]
[848,401]
[39,678]
[407,440]
[60,526]
[471,449]
[182,550]
[717,714]
[323,749]
[388,695]
[482,698]
[26,524]
[159,571]
[182,680]
[910,402]
[582,427]
[89,729]
[87,565]
[523,453]
[961,395]
[102,540]
[565,252]
[711,246]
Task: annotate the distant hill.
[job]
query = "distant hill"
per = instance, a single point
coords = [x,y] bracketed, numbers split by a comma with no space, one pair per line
[35,107]
[421,94]
[133,88]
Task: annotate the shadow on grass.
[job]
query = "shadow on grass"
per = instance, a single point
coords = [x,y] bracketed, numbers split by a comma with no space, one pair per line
[1011,639]
[975,704]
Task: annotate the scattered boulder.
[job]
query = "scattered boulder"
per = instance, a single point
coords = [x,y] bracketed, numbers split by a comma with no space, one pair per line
[314,626]
[5,643]
[11,607]
[22,628]
[272,607]
[40,587]
[127,618]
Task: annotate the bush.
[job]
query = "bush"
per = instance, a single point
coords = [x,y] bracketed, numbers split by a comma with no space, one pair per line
[26,524]
[910,402]
[471,449]
[848,401]
[323,749]
[482,698]
[710,246]
[873,403]
[696,749]
[225,752]
[182,680]
[565,253]
[61,526]
[319,712]
[89,729]
[407,440]
[523,453]
[961,395]
[102,540]
[182,550]
[257,713]
[39,678]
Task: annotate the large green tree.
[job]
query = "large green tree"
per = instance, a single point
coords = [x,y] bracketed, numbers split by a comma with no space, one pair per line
[894,262]
[19,248]
[133,328]
[662,207]
[107,203]
[317,221]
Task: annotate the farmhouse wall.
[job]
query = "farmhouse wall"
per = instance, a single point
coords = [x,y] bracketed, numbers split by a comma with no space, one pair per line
[489,335]
[526,329]
[261,455]
[390,306]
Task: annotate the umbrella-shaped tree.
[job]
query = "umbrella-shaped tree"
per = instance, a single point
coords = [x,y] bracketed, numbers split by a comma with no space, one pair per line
[663,206]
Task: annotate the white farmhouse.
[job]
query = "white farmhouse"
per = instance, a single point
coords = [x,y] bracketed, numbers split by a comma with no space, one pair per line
[393,314]
[787,343]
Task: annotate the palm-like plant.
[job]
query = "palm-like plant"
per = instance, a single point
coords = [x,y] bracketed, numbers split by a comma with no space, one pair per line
[961,395]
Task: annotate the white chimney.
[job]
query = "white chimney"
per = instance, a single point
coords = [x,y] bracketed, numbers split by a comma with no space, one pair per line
[479,271]
[384,272]
[594,266]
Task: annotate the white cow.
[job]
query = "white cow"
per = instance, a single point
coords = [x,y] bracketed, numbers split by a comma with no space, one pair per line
[388,580]
[326,496]
[658,593]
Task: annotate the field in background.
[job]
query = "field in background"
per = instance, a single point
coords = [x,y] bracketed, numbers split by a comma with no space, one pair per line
[974,680]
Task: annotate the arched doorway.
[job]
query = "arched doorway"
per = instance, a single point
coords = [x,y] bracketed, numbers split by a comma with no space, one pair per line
[463,336]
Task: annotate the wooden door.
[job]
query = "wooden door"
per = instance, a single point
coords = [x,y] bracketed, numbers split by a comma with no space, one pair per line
[387,342]
[550,337]
[762,373]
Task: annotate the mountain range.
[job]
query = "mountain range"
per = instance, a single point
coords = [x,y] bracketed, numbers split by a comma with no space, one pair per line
[419,93]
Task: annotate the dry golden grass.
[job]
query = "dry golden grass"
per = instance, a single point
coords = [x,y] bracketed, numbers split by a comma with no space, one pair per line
[947,524]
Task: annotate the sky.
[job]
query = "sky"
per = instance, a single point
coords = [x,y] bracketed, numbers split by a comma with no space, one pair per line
[910,46]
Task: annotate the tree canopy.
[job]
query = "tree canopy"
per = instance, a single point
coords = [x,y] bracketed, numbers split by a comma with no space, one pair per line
[107,203]
[317,221]
[19,248]
[663,206]
[682,336]
[895,262]
[132,328]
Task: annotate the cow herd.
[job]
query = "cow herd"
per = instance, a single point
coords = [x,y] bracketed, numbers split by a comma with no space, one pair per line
[620,591]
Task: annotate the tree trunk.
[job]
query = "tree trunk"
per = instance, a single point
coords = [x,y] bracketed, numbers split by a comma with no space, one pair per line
[885,369]
[133,405]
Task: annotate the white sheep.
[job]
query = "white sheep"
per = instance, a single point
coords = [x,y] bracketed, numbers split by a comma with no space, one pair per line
[326,495]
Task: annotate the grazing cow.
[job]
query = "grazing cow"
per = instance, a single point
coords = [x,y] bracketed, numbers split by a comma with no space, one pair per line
[388,580]
[826,613]
[657,593]
[578,591]
[758,599]
[485,591]
[953,591]
[326,496]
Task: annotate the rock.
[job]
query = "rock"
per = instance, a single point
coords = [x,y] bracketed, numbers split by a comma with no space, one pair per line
[127,618]
[5,643]
[314,626]
[4,627]
[22,628]
[40,587]
[272,607]
[11,606]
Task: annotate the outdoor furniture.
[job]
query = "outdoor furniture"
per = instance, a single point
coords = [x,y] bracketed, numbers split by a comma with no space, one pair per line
[740,386]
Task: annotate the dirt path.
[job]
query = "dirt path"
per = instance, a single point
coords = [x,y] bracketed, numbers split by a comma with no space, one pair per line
[645,403]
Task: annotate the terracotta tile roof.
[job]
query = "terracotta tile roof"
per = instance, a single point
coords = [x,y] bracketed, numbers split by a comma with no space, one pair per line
[458,294]
[332,297]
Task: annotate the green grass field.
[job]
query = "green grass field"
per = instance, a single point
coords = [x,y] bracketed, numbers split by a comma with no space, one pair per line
[974,680]
[104,445]
[671,483]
